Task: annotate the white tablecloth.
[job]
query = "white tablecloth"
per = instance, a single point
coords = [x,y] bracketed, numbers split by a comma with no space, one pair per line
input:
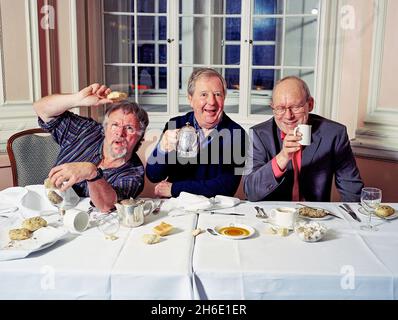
[88,266]
[347,264]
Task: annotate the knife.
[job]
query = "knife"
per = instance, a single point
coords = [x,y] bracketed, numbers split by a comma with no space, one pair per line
[348,209]
[227,213]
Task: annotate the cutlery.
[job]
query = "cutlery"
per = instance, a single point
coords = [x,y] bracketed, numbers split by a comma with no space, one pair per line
[348,209]
[212,232]
[228,213]
[157,209]
[260,212]
[326,211]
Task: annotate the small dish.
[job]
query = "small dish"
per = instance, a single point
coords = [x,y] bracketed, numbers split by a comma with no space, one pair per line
[309,231]
[390,217]
[234,231]
[326,217]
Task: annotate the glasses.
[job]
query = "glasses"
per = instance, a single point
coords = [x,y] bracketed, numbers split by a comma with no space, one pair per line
[130,130]
[294,109]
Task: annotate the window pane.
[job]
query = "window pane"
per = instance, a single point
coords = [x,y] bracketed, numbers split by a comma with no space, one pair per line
[216,6]
[232,78]
[162,78]
[146,6]
[119,6]
[120,78]
[268,6]
[146,28]
[194,7]
[232,54]
[232,31]
[262,84]
[302,6]
[263,79]
[118,45]
[146,78]
[162,28]
[163,54]
[146,53]
[300,41]
[195,40]
[263,55]
[162,6]
[233,6]
[265,29]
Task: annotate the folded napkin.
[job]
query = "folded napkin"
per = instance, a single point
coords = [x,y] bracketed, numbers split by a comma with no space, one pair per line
[187,203]
[224,201]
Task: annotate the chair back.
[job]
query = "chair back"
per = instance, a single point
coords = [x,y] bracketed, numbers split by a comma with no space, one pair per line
[32,154]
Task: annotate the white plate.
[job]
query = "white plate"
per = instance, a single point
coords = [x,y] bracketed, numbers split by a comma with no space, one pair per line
[327,217]
[391,217]
[242,231]
[41,239]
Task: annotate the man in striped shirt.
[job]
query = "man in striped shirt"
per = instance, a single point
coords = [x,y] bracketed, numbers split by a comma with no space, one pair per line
[98,161]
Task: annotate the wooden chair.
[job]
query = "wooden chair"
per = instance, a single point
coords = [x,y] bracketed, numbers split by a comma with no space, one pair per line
[32,154]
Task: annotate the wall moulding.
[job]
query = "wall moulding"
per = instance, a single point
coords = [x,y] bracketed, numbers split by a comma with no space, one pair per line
[378,137]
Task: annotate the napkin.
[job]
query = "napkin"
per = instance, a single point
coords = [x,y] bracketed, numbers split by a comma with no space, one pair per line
[225,201]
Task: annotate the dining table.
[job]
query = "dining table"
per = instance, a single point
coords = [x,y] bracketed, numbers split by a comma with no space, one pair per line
[347,263]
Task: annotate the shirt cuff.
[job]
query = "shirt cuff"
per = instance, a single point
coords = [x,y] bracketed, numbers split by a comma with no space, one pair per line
[278,173]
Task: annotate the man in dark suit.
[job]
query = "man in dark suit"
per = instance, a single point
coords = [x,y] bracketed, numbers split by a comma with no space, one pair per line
[279,168]
[217,167]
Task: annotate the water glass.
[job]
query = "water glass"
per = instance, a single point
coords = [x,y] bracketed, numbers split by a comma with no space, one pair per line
[370,200]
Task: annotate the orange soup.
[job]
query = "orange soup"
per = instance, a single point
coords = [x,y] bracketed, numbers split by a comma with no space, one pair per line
[234,231]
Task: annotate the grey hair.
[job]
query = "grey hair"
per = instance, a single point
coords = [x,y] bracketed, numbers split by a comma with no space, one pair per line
[303,84]
[129,108]
[204,72]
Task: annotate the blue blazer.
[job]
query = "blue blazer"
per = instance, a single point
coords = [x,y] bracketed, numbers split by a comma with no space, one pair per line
[218,168]
[329,154]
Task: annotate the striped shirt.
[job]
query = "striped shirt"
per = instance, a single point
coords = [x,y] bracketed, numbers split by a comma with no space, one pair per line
[81,140]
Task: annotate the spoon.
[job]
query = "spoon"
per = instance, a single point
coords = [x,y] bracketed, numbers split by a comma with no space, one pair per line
[8,210]
[211,231]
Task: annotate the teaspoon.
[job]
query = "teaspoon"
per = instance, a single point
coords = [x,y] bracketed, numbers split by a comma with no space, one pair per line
[211,231]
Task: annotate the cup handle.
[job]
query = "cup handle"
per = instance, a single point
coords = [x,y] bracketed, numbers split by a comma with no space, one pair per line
[295,131]
[151,206]
[272,214]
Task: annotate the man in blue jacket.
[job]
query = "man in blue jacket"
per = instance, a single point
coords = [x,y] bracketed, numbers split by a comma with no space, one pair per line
[218,165]
[280,169]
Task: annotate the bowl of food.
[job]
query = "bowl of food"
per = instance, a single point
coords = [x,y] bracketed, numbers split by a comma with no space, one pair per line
[309,231]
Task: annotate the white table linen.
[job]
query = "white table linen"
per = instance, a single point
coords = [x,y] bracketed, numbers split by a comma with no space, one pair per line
[268,266]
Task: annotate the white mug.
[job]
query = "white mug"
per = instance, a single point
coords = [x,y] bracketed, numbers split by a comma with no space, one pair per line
[284,217]
[305,130]
[76,220]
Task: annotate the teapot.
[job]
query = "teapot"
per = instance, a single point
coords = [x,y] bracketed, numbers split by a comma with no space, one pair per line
[132,212]
[187,142]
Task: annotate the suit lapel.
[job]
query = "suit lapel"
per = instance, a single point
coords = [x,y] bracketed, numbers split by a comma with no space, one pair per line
[309,151]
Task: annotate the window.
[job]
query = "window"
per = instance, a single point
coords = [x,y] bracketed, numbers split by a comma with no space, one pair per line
[152,46]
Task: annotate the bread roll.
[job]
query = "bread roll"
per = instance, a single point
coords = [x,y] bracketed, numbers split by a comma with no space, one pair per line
[19,234]
[150,238]
[117,96]
[54,197]
[33,224]
[384,211]
[163,229]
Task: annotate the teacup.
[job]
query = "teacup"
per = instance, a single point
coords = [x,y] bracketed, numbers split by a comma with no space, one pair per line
[75,220]
[284,217]
[132,213]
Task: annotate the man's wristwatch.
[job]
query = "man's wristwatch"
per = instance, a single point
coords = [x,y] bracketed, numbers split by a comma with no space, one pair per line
[100,174]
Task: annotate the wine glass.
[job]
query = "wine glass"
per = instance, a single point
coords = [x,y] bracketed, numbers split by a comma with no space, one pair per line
[370,200]
[109,224]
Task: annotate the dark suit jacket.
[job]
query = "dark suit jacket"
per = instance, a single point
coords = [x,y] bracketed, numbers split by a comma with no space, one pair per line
[329,154]
[218,168]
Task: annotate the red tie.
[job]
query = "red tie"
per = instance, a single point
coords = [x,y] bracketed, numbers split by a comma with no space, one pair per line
[296,172]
